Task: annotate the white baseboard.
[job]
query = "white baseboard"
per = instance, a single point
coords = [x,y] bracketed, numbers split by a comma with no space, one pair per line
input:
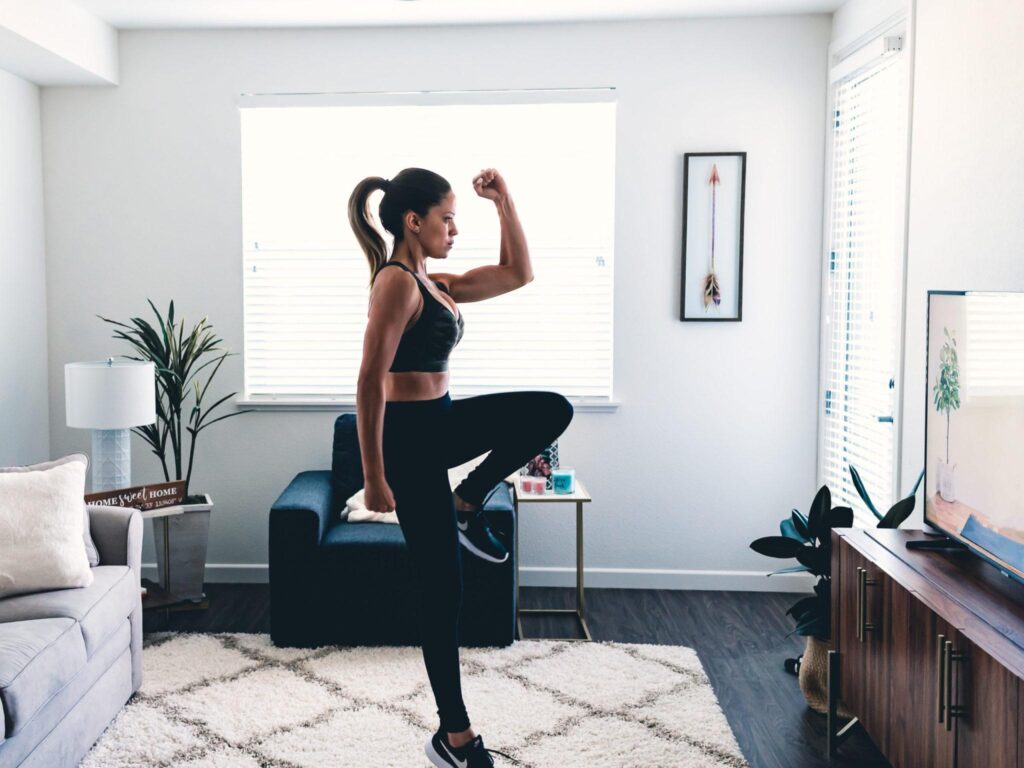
[537,576]
[224,573]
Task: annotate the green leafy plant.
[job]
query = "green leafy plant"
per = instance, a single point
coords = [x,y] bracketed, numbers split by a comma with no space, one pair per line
[177,358]
[808,539]
[947,386]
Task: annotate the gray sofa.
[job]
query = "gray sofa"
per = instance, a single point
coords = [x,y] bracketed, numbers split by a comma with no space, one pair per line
[71,658]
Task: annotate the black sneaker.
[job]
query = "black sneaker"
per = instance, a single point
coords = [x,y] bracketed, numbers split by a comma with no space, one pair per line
[471,755]
[476,536]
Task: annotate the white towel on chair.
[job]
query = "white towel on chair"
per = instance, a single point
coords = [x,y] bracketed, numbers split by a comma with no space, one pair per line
[358,513]
[355,505]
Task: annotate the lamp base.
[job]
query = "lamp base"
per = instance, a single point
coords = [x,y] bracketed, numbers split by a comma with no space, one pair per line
[111,459]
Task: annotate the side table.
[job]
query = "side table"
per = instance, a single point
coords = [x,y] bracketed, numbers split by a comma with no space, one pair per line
[580,497]
[156,596]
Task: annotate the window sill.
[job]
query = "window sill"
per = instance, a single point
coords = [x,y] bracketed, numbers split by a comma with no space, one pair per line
[345,405]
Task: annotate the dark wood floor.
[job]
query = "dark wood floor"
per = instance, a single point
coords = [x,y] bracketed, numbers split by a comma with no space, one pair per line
[739,636]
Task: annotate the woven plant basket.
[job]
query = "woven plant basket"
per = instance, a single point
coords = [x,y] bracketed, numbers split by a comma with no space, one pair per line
[814,677]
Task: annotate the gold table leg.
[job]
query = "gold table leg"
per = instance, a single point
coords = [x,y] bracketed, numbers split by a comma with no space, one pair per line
[580,605]
[579,570]
[519,622]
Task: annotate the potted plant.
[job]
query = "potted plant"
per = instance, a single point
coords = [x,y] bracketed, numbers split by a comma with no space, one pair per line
[180,408]
[808,538]
[947,399]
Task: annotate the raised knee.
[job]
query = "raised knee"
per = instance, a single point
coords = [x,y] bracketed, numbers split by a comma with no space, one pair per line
[562,409]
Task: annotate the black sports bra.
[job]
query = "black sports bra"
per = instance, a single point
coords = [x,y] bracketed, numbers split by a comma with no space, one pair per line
[426,346]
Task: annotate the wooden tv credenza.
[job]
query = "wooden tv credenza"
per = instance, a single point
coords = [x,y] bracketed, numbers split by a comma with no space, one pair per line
[927,652]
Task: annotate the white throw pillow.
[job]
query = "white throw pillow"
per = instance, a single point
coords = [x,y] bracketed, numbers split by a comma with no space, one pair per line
[90,547]
[42,529]
[355,506]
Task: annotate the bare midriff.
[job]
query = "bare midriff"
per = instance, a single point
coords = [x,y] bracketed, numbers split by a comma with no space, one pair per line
[419,385]
[415,385]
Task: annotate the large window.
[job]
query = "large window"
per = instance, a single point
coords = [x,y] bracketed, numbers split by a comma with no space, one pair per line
[862,306]
[306,280]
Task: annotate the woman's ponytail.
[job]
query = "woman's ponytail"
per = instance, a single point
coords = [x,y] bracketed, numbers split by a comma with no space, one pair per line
[359,217]
[413,189]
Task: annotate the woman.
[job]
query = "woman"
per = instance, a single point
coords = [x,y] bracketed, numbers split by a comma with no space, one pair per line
[411,431]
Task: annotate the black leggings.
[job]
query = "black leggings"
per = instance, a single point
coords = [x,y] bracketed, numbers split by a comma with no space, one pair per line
[422,440]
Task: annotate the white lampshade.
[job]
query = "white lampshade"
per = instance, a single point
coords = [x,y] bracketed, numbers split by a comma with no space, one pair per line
[109,394]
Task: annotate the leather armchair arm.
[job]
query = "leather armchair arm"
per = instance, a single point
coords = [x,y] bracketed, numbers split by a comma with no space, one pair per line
[303,511]
[298,520]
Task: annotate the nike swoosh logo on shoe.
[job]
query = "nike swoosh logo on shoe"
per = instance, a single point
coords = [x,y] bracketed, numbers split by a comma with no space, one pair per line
[460,763]
[464,539]
[462,526]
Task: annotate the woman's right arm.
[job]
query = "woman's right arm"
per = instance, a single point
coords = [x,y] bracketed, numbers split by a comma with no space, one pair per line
[393,302]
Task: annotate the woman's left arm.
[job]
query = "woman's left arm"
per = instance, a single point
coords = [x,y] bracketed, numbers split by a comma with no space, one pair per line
[513,254]
[513,269]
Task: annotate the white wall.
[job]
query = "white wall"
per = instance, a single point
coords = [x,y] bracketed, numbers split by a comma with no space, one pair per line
[715,438]
[967,189]
[24,406]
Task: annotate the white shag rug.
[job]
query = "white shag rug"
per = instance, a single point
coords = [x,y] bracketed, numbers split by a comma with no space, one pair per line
[236,701]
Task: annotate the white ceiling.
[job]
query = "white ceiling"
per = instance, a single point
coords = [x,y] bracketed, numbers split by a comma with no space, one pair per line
[156,14]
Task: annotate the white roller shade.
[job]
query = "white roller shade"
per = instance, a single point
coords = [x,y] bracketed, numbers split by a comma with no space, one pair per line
[305,279]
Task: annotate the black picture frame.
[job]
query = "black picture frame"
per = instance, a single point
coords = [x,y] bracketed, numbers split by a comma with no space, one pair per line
[688,313]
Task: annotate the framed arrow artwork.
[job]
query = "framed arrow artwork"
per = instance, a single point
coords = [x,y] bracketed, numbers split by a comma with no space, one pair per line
[713,199]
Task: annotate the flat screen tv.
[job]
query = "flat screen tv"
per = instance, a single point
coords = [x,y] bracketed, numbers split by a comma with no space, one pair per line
[974,423]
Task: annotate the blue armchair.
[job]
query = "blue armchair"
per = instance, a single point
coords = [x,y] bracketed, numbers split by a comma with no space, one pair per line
[335,582]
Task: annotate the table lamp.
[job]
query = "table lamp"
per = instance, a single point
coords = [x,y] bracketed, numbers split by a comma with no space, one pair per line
[109,397]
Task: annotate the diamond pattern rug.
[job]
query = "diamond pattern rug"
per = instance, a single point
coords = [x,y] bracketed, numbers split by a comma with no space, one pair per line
[236,701]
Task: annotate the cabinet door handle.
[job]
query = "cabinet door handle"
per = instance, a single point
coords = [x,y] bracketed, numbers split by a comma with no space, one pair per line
[948,673]
[860,603]
[940,678]
[863,582]
[952,710]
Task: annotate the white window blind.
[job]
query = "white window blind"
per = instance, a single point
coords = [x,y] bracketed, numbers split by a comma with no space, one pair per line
[306,280]
[862,303]
[993,355]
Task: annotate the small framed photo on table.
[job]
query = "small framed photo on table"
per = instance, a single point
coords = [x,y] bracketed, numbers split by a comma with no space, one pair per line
[713,201]
[542,464]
